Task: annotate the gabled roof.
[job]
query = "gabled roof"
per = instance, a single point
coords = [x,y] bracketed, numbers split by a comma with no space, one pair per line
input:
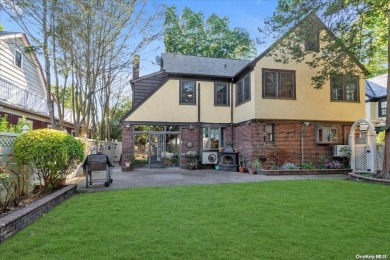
[201,66]
[376,87]
[313,18]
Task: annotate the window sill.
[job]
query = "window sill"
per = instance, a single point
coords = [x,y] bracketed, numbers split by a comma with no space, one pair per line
[278,98]
[188,104]
[346,101]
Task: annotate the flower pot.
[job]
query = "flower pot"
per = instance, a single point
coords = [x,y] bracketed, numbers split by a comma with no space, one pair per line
[251,170]
[241,169]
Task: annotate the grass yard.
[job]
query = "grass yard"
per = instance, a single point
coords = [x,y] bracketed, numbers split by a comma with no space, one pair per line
[309,219]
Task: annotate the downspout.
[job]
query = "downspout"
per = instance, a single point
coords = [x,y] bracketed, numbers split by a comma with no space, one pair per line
[302,142]
[199,125]
[231,112]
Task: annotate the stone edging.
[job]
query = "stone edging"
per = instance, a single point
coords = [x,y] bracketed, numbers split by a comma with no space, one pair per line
[371,179]
[304,172]
[21,218]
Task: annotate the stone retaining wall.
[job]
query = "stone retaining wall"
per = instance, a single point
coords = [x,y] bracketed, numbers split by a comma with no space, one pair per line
[304,172]
[17,220]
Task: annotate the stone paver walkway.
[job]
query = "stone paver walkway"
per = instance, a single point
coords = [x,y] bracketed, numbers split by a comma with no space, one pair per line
[145,177]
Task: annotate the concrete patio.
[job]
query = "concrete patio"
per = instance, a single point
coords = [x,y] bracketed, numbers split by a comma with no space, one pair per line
[146,177]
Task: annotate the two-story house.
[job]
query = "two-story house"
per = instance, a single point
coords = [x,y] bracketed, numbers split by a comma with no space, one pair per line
[22,84]
[263,108]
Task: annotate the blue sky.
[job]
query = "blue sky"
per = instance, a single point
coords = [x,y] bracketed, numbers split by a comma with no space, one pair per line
[247,14]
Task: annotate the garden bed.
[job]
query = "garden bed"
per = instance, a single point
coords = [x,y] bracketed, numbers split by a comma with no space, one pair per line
[13,222]
[304,172]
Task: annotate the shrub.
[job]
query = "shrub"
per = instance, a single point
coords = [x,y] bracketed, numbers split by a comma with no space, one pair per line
[51,154]
[288,166]
[308,166]
[380,138]
[5,126]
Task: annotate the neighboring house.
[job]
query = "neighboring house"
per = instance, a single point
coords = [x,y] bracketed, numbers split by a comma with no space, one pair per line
[376,100]
[264,109]
[22,83]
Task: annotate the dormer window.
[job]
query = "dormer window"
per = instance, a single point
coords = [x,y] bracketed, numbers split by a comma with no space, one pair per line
[18,59]
[312,42]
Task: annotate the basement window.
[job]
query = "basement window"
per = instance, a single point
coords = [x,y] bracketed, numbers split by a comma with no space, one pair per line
[326,135]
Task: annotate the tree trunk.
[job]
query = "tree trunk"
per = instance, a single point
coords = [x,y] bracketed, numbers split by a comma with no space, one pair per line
[50,103]
[385,173]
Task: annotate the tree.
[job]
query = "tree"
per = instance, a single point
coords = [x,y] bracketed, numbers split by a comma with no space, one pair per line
[32,17]
[191,34]
[357,27]
[117,112]
[88,48]
[99,42]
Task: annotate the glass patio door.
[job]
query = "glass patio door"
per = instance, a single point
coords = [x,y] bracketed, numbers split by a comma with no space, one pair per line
[157,150]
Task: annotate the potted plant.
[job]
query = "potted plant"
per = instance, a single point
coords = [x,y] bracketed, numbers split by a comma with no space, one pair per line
[250,167]
[257,165]
[191,159]
[241,164]
[129,162]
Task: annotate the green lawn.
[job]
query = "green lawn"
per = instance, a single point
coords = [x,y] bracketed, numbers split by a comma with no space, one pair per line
[309,219]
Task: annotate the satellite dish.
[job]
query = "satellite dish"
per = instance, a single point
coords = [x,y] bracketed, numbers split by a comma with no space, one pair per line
[158,60]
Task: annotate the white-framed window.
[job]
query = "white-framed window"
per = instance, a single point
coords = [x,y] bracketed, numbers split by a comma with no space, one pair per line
[213,137]
[18,59]
[269,132]
[382,106]
[326,135]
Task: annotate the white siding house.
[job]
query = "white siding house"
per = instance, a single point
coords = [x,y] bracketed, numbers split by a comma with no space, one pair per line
[22,84]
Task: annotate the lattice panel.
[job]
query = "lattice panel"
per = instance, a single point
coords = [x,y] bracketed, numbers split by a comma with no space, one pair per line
[379,157]
[360,158]
[7,141]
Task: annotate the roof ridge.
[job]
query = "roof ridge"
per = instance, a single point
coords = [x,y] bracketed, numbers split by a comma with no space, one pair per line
[196,56]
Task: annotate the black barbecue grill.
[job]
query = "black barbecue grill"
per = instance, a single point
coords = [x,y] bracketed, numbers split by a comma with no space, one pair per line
[97,162]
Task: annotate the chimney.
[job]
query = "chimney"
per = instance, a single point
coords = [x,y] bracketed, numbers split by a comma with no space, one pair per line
[136,67]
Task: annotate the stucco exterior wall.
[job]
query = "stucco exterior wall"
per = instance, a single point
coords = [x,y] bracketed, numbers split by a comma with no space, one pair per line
[164,106]
[310,103]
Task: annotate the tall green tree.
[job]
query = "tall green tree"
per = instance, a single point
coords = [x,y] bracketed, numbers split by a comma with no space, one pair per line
[357,27]
[192,34]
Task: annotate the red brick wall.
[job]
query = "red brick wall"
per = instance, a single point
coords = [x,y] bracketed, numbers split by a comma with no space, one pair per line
[287,145]
[249,141]
[127,143]
[189,134]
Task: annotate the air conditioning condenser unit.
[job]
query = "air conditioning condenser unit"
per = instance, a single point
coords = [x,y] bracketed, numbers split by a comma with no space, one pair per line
[209,157]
